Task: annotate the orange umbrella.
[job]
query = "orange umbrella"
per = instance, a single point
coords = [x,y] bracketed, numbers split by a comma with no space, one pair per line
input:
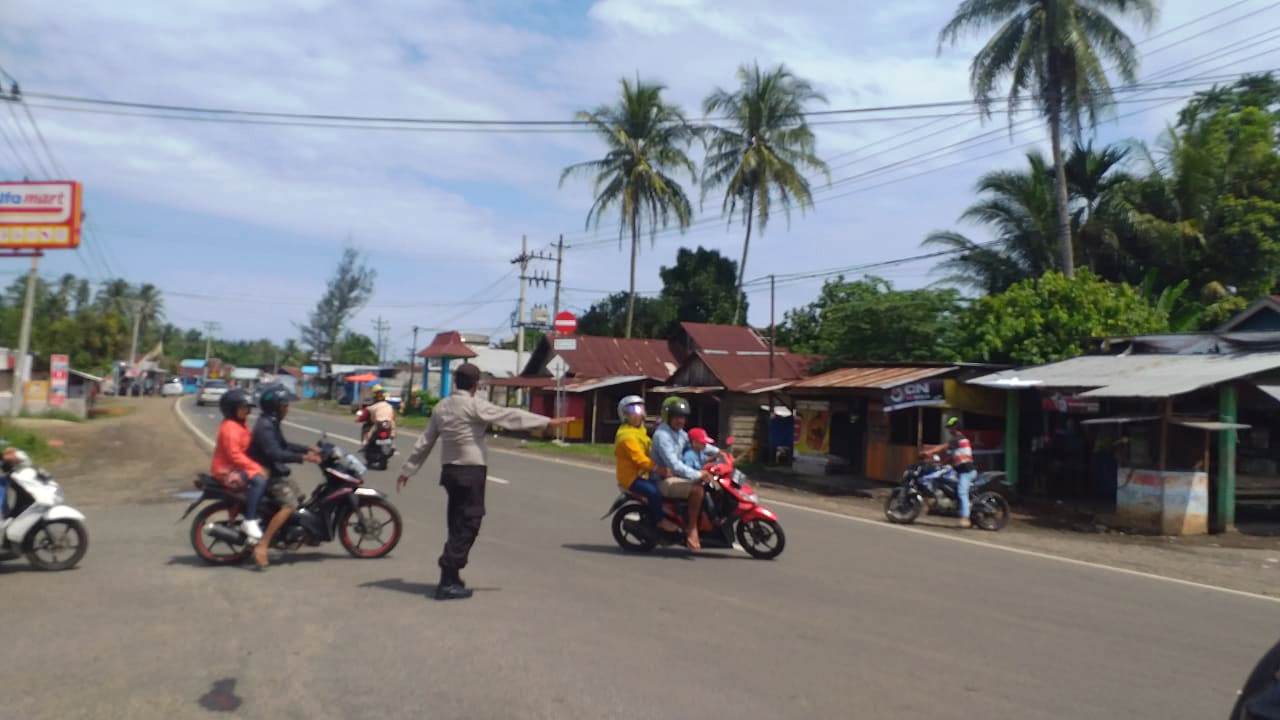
[362,378]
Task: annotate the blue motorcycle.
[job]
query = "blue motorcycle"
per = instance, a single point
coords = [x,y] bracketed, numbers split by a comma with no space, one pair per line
[933,487]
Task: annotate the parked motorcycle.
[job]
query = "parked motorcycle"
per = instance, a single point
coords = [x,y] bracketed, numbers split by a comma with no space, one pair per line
[933,487]
[338,507]
[731,511]
[40,525]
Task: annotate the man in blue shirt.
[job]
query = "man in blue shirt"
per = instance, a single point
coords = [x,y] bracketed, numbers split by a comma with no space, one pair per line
[677,479]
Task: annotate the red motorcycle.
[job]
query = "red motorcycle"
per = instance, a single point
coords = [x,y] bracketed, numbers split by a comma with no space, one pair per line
[379,444]
[731,511]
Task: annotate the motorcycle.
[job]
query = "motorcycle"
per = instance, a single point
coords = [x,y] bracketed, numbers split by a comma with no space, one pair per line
[40,525]
[731,511]
[1259,697]
[379,445]
[338,507]
[933,487]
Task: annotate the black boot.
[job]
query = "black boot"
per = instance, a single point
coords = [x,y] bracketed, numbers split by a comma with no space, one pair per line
[451,587]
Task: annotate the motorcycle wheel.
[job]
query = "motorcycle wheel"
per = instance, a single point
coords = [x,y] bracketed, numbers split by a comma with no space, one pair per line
[376,519]
[762,539]
[56,544]
[990,511]
[901,507]
[213,550]
[627,538]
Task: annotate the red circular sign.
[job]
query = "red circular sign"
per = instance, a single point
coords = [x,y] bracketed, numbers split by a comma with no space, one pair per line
[565,323]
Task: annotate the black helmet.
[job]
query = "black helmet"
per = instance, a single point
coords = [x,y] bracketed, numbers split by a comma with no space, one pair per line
[675,406]
[274,398]
[232,401]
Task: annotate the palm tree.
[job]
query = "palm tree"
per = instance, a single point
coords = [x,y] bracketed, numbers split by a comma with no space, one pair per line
[1021,208]
[1095,180]
[1053,50]
[759,156]
[646,140]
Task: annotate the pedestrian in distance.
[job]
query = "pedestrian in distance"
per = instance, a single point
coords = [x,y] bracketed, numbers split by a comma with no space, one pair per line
[459,423]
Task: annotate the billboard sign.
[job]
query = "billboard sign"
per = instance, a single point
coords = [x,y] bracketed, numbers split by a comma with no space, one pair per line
[40,215]
[59,373]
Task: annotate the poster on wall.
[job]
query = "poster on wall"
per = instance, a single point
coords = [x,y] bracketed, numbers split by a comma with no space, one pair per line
[813,428]
[59,374]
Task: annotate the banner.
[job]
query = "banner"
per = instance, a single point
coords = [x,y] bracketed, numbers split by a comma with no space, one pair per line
[915,394]
[59,374]
[39,215]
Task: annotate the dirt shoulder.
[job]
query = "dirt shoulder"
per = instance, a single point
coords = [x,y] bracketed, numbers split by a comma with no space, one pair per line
[141,457]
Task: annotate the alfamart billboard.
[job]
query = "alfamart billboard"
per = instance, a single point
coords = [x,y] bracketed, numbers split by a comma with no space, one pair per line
[40,215]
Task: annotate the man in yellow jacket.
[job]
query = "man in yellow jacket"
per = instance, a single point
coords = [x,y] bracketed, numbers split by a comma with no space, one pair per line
[634,466]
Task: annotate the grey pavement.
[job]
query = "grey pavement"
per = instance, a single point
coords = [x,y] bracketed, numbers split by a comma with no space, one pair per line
[855,619]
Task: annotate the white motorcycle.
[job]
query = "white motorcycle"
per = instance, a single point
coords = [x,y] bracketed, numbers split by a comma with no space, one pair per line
[39,525]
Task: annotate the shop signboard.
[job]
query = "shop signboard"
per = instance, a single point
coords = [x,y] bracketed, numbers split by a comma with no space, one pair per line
[1070,404]
[925,393]
[39,215]
[59,374]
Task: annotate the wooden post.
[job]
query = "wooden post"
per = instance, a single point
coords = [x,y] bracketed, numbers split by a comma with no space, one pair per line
[919,428]
[1164,435]
[595,410]
[1012,419]
[1227,412]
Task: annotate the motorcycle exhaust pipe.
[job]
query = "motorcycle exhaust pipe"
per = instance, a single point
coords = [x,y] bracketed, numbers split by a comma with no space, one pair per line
[225,534]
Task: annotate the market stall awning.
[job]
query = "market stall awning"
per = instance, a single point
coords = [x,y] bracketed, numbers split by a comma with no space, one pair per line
[1212,425]
[1120,420]
[522,381]
[361,378]
[1135,376]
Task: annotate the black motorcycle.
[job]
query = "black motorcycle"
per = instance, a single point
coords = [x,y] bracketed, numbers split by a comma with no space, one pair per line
[1259,699]
[380,446]
[361,518]
[933,487]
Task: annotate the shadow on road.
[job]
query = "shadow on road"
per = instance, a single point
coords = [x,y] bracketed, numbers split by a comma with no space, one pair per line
[678,553]
[413,588]
[290,559]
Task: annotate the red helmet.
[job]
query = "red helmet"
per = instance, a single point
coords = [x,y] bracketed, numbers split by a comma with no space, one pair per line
[701,437]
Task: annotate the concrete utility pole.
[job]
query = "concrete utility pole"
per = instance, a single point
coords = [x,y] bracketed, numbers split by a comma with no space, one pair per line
[523,261]
[209,329]
[413,368]
[559,268]
[22,365]
[137,323]
[381,327]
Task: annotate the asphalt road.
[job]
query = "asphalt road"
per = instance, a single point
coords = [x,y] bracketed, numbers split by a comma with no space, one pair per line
[853,620]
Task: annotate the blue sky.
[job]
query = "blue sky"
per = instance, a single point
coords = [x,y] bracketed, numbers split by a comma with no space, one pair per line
[242,224]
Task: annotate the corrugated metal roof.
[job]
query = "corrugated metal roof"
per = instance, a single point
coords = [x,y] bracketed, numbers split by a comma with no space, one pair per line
[729,338]
[447,344]
[870,378]
[1135,376]
[602,357]
[596,384]
[749,371]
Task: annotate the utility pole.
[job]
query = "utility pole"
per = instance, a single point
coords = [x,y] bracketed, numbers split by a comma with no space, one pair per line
[381,327]
[523,260]
[559,267]
[137,323]
[773,332]
[413,369]
[209,329]
[22,366]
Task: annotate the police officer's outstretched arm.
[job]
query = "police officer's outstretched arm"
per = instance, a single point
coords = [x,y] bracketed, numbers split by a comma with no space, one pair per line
[421,451]
[514,418]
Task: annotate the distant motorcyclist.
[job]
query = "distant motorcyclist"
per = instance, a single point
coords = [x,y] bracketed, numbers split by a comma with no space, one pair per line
[677,479]
[232,466]
[378,411]
[959,451]
[272,451]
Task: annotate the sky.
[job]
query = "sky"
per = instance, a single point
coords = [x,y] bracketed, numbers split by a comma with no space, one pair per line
[242,224]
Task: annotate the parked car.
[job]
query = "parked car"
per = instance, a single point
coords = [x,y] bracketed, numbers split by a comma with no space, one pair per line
[172,388]
[212,392]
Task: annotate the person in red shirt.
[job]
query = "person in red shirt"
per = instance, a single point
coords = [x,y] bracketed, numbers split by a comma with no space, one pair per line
[232,465]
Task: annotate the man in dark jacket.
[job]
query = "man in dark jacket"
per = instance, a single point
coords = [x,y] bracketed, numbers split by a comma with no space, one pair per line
[270,450]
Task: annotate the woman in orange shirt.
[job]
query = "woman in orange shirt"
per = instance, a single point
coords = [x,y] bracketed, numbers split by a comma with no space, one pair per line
[232,465]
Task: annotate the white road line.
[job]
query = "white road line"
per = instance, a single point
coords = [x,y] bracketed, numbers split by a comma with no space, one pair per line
[499,480]
[317,431]
[205,439]
[938,536]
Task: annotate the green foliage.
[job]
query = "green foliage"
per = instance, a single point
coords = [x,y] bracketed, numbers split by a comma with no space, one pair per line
[1052,318]
[758,156]
[652,317]
[30,441]
[356,349]
[1251,91]
[348,290]
[645,138]
[868,320]
[425,402]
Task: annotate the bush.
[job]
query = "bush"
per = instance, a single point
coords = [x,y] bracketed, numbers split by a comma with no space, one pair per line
[424,402]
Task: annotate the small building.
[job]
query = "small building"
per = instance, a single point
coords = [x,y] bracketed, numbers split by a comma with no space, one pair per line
[872,419]
[732,378]
[247,378]
[191,372]
[444,348]
[493,362]
[600,372]
[308,381]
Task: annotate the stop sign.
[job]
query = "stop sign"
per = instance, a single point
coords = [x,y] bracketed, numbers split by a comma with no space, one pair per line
[565,323]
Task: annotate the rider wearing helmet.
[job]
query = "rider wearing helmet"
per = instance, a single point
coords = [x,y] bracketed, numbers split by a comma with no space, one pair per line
[378,411]
[232,465]
[272,451]
[634,466]
[959,452]
[677,479]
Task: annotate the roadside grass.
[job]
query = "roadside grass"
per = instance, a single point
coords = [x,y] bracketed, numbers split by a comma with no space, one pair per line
[601,453]
[52,415]
[110,411]
[30,441]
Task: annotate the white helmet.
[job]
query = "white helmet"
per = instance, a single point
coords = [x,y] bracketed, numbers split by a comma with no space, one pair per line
[630,405]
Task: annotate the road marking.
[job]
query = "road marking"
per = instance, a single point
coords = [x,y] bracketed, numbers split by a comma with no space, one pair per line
[499,480]
[939,536]
[177,409]
[317,431]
